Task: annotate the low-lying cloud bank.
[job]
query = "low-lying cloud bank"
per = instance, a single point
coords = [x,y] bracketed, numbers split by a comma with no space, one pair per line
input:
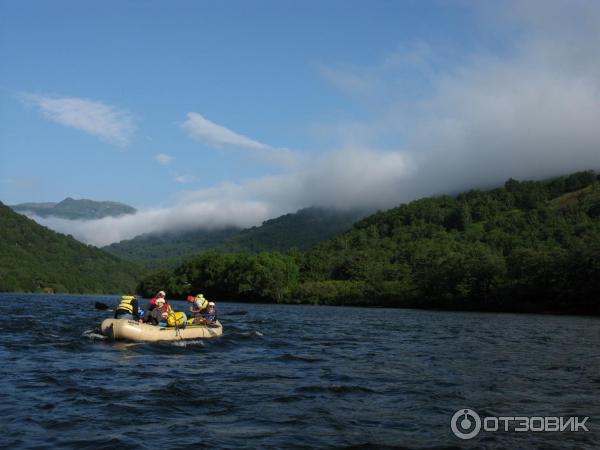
[532,112]
[185,216]
[345,180]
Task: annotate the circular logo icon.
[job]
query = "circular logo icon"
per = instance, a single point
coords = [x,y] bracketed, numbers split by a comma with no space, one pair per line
[465,424]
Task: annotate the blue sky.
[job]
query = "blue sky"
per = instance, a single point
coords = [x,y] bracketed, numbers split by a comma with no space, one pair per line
[236,111]
[252,67]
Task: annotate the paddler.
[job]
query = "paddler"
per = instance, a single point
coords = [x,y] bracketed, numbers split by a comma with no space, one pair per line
[211,313]
[198,306]
[152,302]
[128,308]
[159,313]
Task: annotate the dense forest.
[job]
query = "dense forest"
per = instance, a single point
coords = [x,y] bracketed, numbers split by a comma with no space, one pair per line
[302,230]
[167,250]
[36,259]
[528,246]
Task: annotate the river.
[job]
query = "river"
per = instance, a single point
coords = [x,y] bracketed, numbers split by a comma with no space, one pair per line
[286,376]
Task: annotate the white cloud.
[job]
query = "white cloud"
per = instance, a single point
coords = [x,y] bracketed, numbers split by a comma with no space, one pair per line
[355,82]
[185,179]
[531,112]
[163,158]
[184,216]
[106,122]
[203,130]
[343,179]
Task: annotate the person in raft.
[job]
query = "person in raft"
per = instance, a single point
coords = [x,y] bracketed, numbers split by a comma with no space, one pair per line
[159,313]
[211,313]
[198,306]
[128,308]
[152,302]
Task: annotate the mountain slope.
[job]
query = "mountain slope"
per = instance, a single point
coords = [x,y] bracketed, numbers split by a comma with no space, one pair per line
[73,209]
[528,246]
[34,258]
[301,230]
[168,249]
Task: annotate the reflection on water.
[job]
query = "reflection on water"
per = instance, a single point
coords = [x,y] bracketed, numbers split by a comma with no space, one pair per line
[292,376]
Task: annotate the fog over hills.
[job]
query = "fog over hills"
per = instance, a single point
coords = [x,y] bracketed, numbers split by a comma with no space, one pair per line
[73,209]
[301,230]
[530,111]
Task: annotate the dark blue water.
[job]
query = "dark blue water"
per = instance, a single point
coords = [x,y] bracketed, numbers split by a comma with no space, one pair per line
[292,377]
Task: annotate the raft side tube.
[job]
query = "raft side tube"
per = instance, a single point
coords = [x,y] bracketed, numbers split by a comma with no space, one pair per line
[124,329]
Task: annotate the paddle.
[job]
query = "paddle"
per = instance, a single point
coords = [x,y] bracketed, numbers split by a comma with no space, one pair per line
[101,306]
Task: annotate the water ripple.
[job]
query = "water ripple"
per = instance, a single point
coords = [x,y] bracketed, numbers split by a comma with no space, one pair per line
[291,377]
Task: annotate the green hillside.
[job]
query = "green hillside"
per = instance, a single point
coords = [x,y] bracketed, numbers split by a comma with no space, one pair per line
[34,258]
[302,230]
[73,209]
[169,249]
[528,246]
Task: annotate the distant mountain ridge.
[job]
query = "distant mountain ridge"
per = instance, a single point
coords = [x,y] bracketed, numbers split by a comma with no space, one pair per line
[34,258]
[301,230]
[73,209]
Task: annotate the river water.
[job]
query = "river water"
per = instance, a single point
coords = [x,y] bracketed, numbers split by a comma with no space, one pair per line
[293,377]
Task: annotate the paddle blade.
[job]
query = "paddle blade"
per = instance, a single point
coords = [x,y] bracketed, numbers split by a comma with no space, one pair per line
[101,306]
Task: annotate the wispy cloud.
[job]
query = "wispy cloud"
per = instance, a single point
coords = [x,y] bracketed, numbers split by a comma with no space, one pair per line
[101,120]
[164,159]
[203,130]
[530,112]
[343,179]
[183,179]
[476,119]
[349,81]
[183,216]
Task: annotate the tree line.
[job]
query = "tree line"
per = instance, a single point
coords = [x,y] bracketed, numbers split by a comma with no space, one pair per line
[527,246]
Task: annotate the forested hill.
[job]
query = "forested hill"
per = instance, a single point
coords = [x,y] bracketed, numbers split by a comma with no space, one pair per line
[73,209]
[163,250]
[527,246]
[302,230]
[34,258]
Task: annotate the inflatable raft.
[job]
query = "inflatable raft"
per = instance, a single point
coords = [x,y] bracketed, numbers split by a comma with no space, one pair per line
[130,330]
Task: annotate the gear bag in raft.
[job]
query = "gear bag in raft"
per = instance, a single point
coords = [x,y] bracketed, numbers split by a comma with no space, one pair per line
[176,319]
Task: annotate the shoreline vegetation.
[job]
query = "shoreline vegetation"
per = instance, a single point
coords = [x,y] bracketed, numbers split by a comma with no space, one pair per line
[530,246]
[34,258]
